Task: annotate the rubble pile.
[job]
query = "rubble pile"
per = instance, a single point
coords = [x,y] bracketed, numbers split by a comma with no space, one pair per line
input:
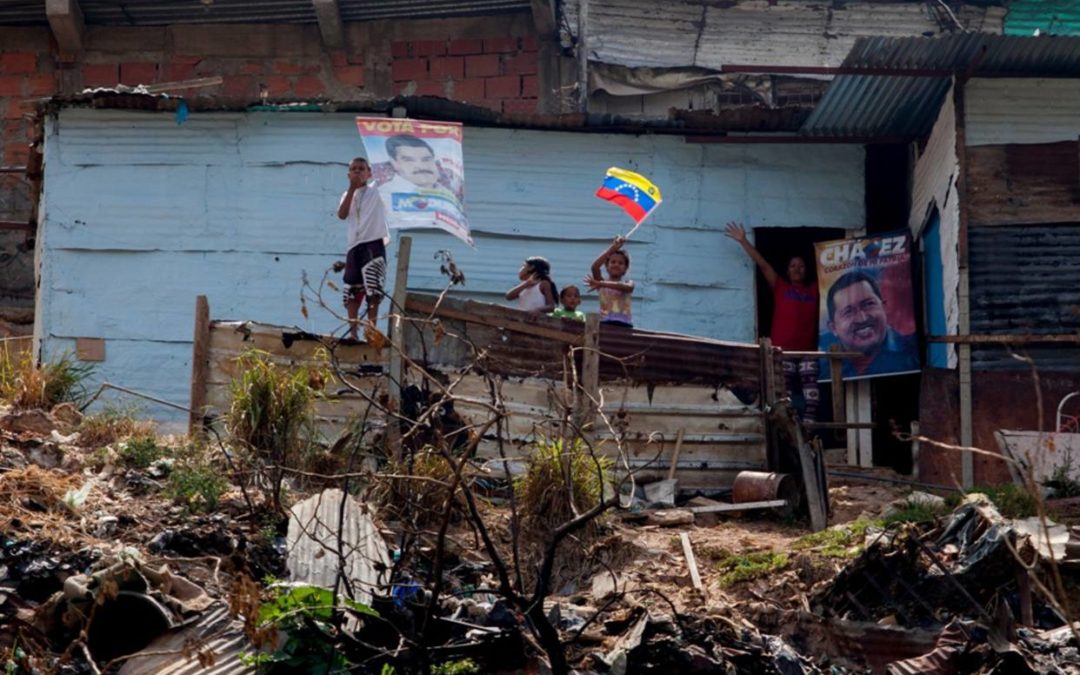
[103,571]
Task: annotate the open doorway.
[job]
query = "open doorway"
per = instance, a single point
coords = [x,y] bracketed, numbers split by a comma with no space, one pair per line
[778,245]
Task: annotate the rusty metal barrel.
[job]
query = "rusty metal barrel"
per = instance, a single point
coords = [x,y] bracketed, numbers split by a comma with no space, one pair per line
[763,486]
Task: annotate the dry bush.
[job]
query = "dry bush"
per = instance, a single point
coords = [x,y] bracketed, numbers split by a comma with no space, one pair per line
[558,485]
[272,415]
[34,498]
[416,490]
[25,385]
[112,425]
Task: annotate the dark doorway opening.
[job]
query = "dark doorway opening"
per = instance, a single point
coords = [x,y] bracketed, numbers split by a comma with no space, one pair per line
[894,399]
[778,245]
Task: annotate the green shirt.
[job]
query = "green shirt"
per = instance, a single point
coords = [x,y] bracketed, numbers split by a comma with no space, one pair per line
[561,313]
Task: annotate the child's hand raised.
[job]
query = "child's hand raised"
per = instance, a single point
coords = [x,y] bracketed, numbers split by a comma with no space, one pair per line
[532,281]
[592,282]
[618,243]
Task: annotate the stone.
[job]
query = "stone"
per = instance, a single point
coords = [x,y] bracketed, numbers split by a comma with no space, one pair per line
[36,422]
[67,416]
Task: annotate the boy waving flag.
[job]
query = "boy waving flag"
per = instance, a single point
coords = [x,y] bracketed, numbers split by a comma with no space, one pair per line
[635,193]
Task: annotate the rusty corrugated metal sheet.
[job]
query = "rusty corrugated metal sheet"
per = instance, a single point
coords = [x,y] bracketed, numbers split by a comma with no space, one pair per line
[635,33]
[516,345]
[216,632]
[1024,279]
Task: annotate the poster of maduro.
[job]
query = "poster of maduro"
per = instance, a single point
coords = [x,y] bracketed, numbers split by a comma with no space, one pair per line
[866,304]
[417,167]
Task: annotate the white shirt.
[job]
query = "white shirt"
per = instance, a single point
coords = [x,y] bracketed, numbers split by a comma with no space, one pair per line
[531,299]
[367,217]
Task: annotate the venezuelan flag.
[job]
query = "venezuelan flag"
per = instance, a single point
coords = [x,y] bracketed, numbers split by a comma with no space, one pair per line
[633,192]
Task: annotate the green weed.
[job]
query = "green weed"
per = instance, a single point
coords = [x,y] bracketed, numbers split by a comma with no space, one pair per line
[195,482]
[840,541]
[140,452]
[558,483]
[748,566]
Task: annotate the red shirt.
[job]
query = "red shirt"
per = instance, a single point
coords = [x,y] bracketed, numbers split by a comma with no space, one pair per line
[794,321]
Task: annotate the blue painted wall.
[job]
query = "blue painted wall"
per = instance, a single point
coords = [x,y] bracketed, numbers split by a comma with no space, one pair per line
[141,215]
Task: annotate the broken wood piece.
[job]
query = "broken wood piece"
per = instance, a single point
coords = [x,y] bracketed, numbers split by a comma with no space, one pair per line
[675,454]
[196,83]
[670,517]
[691,562]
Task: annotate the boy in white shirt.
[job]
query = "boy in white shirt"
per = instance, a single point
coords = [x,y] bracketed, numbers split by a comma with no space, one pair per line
[368,234]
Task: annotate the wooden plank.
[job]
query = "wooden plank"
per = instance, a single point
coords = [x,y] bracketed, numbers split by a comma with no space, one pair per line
[397,342]
[675,455]
[1023,183]
[200,344]
[90,349]
[851,406]
[414,304]
[745,506]
[691,562]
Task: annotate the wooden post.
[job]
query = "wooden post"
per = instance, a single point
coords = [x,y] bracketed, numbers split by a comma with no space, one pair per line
[768,397]
[675,454]
[590,373]
[836,370]
[397,341]
[200,364]
[583,55]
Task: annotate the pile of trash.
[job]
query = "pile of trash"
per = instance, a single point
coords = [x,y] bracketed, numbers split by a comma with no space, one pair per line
[101,572]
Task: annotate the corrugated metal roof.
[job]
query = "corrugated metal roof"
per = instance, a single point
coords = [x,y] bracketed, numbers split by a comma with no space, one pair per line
[1012,110]
[158,12]
[1049,17]
[906,106]
[685,33]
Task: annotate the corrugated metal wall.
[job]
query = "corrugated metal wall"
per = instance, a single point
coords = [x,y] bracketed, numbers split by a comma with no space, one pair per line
[1024,279]
[140,215]
[1001,111]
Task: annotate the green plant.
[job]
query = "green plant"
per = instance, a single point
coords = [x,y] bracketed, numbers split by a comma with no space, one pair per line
[26,385]
[916,512]
[1061,481]
[748,566]
[840,541]
[461,667]
[194,482]
[306,616]
[272,414]
[140,451]
[1011,500]
[558,484]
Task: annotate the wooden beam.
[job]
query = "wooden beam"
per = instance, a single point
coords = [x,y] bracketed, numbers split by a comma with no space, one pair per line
[329,18]
[415,305]
[583,55]
[200,365]
[66,20]
[836,376]
[1004,339]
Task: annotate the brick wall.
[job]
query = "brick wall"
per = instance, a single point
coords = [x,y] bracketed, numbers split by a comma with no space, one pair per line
[471,60]
[497,73]
[486,61]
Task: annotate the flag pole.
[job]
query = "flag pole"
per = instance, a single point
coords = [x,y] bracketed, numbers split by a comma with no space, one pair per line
[638,224]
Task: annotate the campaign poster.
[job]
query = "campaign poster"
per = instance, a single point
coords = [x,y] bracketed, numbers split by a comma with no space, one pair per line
[866,305]
[416,166]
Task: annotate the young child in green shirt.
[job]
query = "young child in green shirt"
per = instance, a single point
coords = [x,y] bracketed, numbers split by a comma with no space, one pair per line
[570,297]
